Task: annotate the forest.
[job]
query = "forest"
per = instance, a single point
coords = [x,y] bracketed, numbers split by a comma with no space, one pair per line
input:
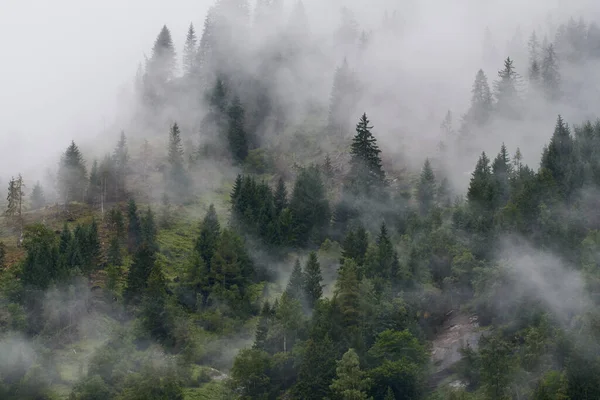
[239,242]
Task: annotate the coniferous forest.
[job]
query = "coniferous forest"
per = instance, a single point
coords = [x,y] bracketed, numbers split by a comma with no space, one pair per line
[240,241]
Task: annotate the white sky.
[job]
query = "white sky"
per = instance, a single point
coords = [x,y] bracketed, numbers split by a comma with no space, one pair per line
[64,60]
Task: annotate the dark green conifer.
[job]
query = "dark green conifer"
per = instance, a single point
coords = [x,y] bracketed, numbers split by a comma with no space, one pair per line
[426,189]
[134,229]
[313,288]
[236,134]
[296,283]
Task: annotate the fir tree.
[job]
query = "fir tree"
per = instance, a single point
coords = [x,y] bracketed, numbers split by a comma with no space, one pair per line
[209,236]
[121,159]
[480,189]
[236,134]
[506,89]
[134,229]
[389,395]
[550,74]
[366,173]
[262,328]
[137,277]
[149,230]
[347,294]
[280,197]
[114,256]
[426,188]
[163,61]
[341,103]
[313,289]
[295,283]
[534,59]
[178,181]
[309,207]
[558,157]
[317,370]
[154,313]
[481,100]
[38,200]
[501,171]
[351,383]
[72,175]
[189,51]
[95,185]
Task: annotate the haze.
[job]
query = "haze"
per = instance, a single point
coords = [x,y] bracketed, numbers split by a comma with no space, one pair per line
[64,62]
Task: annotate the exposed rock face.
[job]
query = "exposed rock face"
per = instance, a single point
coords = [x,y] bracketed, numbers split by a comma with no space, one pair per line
[459,331]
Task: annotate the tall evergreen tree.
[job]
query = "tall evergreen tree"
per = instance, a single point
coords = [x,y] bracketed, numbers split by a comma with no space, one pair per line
[280,197]
[163,62]
[189,51]
[72,175]
[236,134]
[534,59]
[507,90]
[309,207]
[480,187]
[426,188]
[550,74]
[209,236]
[38,200]
[342,101]
[149,230]
[134,229]
[351,383]
[137,277]
[95,185]
[313,288]
[178,181]
[481,100]
[121,159]
[558,158]
[295,284]
[366,174]
[154,313]
[501,171]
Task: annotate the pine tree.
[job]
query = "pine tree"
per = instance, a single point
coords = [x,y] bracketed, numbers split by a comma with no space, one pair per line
[189,51]
[313,289]
[38,200]
[121,159]
[95,185]
[480,190]
[506,90]
[342,101]
[14,209]
[366,174]
[280,197]
[389,395]
[355,245]
[178,181]
[558,157]
[149,230]
[294,288]
[72,175]
[446,126]
[550,74]
[317,370]
[163,62]
[137,277]
[154,313]
[134,230]
[262,328]
[114,256]
[534,59]
[481,100]
[351,383]
[309,207]
[347,294]
[208,239]
[426,188]
[236,134]
[501,171]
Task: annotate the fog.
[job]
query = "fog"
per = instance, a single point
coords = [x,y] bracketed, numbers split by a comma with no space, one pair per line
[67,65]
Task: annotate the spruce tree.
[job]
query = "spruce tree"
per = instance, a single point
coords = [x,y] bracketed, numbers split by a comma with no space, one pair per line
[154,312]
[189,51]
[178,181]
[295,284]
[350,383]
[426,189]
[309,207]
[121,159]
[149,230]
[480,187]
[163,62]
[550,74]
[341,102]
[137,277]
[38,200]
[72,175]
[209,236]
[114,256]
[366,176]
[236,134]
[280,197]
[389,395]
[134,229]
[481,100]
[559,157]
[313,288]
[501,171]
[262,328]
[95,185]
[507,90]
